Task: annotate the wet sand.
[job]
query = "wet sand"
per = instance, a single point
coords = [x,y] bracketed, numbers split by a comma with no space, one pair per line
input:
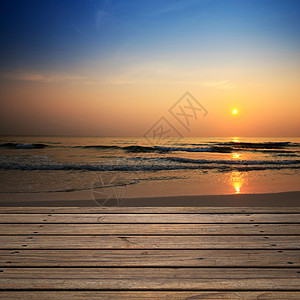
[76,200]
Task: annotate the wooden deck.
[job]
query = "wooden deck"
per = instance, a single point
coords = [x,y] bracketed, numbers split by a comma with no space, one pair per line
[150,253]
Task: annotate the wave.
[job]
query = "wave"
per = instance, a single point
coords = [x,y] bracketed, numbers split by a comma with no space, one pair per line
[260,145]
[193,147]
[288,154]
[226,148]
[23,146]
[161,163]
[99,147]
[287,148]
[229,162]
[162,167]
[160,149]
[284,151]
[131,148]
[196,149]
[274,147]
[139,149]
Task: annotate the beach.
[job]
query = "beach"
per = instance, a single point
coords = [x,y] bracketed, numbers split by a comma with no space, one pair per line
[150,149]
[78,199]
[98,171]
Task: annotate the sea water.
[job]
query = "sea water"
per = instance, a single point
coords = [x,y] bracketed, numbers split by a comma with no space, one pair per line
[132,166]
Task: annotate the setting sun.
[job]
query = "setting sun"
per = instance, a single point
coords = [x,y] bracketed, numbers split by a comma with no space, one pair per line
[187,111]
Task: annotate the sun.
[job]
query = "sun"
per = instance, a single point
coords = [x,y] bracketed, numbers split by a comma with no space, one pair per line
[235,111]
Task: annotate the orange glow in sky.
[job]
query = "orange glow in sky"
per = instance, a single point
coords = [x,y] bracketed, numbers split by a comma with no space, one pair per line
[113,68]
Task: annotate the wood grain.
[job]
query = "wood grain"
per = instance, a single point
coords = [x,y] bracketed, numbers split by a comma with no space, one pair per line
[150,229]
[148,218]
[149,242]
[155,295]
[152,258]
[150,253]
[150,278]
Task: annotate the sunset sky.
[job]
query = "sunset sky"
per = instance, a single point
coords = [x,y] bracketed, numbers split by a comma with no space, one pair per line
[113,68]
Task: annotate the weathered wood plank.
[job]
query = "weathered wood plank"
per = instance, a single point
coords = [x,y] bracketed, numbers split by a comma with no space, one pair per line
[154,258]
[149,218]
[126,210]
[155,295]
[150,278]
[149,229]
[149,242]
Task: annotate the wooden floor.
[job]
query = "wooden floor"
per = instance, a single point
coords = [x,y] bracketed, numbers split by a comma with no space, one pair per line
[150,253]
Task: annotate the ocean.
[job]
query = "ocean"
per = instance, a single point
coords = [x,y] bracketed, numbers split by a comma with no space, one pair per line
[118,167]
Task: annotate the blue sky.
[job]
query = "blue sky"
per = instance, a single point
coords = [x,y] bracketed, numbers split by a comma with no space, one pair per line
[82,64]
[65,34]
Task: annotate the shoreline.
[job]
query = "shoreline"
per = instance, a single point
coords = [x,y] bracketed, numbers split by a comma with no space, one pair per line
[282,199]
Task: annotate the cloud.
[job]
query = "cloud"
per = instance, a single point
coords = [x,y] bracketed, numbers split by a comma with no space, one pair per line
[33,76]
[151,75]
[222,85]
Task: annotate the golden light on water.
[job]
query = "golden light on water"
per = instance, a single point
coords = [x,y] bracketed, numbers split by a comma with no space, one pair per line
[236,155]
[237,179]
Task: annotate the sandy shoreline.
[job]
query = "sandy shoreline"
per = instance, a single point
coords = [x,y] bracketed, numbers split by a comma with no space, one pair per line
[236,200]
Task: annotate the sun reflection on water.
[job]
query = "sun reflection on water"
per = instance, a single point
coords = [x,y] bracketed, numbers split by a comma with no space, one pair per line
[237,179]
[236,156]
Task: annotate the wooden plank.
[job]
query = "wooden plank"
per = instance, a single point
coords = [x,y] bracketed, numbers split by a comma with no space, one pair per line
[151,210]
[149,242]
[154,258]
[155,295]
[150,278]
[148,218]
[150,229]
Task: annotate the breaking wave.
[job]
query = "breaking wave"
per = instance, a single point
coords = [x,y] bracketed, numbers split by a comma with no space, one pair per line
[161,163]
[23,146]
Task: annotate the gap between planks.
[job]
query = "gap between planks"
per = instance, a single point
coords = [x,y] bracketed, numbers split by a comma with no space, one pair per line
[156,295]
[148,210]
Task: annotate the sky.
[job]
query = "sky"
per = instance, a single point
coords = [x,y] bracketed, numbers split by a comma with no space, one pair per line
[115,67]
